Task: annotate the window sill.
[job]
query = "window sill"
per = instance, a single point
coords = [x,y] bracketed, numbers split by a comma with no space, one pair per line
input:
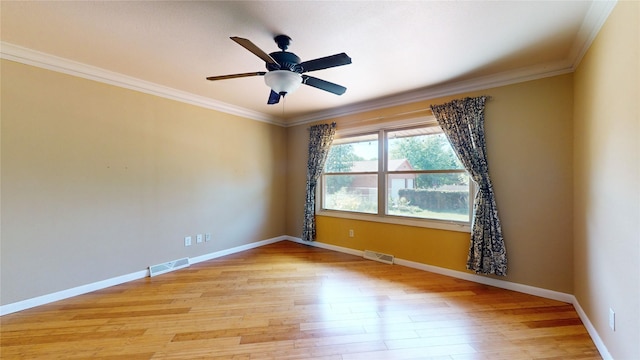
[425,223]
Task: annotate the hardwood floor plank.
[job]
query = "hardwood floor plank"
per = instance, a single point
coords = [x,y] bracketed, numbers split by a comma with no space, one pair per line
[138,356]
[291,301]
[129,314]
[411,353]
[65,338]
[552,323]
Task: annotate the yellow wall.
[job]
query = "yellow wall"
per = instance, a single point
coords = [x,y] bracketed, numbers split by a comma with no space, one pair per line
[607,179]
[529,143]
[441,248]
[100,181]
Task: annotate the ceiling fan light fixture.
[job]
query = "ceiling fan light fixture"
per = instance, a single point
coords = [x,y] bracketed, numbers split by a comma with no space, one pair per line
[283,81]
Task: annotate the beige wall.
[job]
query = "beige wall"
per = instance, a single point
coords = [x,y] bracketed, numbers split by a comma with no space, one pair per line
[100,181]
[607,179]
[529,135]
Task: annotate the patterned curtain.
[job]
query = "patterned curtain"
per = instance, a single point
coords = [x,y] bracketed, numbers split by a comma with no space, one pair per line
[463,123]
[320,139]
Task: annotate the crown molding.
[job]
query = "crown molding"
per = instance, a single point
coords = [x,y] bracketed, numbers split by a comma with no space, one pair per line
[446,89]
[39,59]
[591,25]
[593,22]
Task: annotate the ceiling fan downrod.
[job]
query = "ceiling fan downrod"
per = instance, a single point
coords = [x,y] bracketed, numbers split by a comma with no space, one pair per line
[283,42]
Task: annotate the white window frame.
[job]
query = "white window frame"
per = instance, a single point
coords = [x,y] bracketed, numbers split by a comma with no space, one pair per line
[381,216]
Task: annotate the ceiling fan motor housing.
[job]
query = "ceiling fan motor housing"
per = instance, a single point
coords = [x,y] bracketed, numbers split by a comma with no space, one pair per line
[286,60]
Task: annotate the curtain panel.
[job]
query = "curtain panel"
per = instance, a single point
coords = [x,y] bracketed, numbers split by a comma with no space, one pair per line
[462,121]
[320,139]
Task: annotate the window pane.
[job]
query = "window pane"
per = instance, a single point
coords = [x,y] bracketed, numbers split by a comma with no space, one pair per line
[421,149]
[351,193]
[443,196]
[353,154]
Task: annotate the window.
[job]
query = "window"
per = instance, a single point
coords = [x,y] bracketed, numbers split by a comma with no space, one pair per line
[350,180]
[404,173]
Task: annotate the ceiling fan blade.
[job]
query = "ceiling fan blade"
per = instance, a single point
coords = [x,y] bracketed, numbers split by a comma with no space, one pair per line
[274,98]
[247,44]
[325,62]
[233,76]
[323,85]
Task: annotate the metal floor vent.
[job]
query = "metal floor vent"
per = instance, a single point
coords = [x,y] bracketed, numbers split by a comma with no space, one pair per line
[168,266]
[372,255]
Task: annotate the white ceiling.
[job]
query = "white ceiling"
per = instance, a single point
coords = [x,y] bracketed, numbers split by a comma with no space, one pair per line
[402,50]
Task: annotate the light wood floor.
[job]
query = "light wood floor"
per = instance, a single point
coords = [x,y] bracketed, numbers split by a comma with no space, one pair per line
[290,301]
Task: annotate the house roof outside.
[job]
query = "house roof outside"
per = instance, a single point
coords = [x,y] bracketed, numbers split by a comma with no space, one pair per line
[372,165]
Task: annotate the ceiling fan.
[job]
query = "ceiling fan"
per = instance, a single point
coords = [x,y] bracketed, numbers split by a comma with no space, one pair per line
[286,72]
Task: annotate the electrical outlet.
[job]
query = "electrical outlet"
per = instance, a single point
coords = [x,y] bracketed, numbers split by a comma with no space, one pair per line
[350,232]
[199,238]
[207,237]
[612,319]
[187,241]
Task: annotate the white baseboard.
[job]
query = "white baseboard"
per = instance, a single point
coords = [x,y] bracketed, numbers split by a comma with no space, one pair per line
[99,285]
[531,290]
[65,294]
[237,249]
[326,246]
[604,352]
